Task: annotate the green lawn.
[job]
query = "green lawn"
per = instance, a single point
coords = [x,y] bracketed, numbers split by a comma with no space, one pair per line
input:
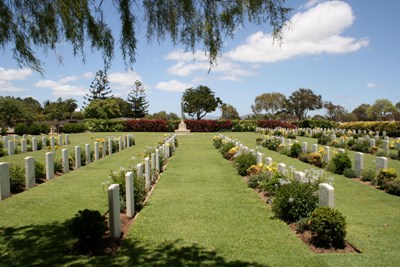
[201,213]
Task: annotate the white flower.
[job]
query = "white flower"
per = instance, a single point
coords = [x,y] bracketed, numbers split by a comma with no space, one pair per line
[290,199]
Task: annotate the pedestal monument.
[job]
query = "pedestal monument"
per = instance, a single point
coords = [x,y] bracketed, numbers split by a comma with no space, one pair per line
[182,125]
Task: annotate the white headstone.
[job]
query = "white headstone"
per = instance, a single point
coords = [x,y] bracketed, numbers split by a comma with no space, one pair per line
[52,142]
[259,158]
[60,141]
[268,161]
[49,165]
[158,167]
[281,167]
[23,146]
[359,163]
[385,146]
[381,163]
[77,157]
[5,139]
[110,145]
[327,153]
[153,164]
[44,142]
[130,199]
[114,211]
[140,170]
[341,151]
[304,147]
[383,133]
[34,144]
[65,161]
[66,139]
[326,195]
[372,142]
[124,141]
[87,152]
[299,176]
[11,147]
[4,180]
[96,151]
[29,172]
[314,148]
[147,172]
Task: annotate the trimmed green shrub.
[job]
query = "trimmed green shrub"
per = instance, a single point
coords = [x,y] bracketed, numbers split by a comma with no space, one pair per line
[34,129]
[74,128]
[21,128]
[272,144]
[324,140]
[295,150]
[302,224]
[393,187]
[384,176]
[349,173]
[255,180]
[272,182]
[295,200]
[244,161]
[88,226]
[40,171]
[224,149]
[17,178]
[329,227]
[340,162]
[368,174]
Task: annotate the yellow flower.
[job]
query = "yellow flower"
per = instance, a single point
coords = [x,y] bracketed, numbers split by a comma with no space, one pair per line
[321,150]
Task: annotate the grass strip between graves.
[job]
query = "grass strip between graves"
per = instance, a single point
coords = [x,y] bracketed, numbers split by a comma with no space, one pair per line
[32,230]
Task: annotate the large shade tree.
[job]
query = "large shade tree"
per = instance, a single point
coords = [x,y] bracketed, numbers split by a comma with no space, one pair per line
[199,101]
[302,101]
[229,112]
[270,103]
[28,26]
[382,109]
[361,112]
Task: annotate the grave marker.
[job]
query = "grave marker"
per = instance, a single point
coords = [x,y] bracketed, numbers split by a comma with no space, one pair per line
[23,146]
[147,173]
[304,147]
[77,157]
[359,163]
[268,161]
[326,195]
[34,144]
[381,163]
[65,161]
[130,199]
[29,172]
[11,147]
[49,165]
[4,180]
[96,151]
[114,211]
[87,152]
[314,148]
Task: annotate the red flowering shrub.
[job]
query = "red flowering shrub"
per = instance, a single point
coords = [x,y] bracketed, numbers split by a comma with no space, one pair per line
[147,125]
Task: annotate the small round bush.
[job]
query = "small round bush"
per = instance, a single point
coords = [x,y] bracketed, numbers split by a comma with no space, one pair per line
[295,200]
[17,178]
[329,227]
[384,176]
[368,174]
[34,129]
[349,173]
[39,170]
[88,225]
[295,150]
[244,161]
[225,148]
[254,180]
[393,187]
[324,140]
[341,162]
[21,128]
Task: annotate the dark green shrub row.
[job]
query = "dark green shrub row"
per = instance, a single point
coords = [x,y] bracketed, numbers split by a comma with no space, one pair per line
[33,129]
[316,124]
[74,128]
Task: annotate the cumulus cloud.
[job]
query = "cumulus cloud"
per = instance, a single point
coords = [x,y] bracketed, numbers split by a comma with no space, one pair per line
[7,87]
[173,85]
[188,63]
[124,79]
[14,74]
[315,31]
[63,88]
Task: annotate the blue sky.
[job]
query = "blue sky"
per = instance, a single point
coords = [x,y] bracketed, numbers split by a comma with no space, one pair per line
[347,51]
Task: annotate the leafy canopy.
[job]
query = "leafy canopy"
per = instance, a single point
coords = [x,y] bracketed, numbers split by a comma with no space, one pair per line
[26,25]
[303,100]
[272,103]
[200,101]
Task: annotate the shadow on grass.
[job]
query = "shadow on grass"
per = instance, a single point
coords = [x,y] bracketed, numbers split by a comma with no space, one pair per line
[34,244]
[48,245]
[173,253]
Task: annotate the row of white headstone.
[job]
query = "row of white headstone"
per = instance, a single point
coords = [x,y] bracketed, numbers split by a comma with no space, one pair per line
[143,170]
[12,144]
[326,191]
[49,164]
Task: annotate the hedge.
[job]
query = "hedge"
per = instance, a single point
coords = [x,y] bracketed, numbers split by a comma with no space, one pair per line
[392,128]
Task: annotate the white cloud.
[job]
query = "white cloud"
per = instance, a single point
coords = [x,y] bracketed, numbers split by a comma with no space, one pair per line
[62,88]
[372,85]
[189,63]
[14,74]
[124,79]
[7,87]
[173,85]
[315,31]
[310,4]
